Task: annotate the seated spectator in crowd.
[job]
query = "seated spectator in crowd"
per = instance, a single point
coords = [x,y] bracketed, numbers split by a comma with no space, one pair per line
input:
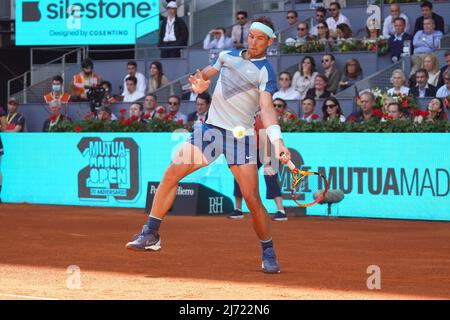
[389,28]
[15,122]
[303,34]
[173,32]
[84,81]
[428,39]
[55,116]
[319,17]
[336,18]
[343,31]
[320,88]
[109,97]
[217,39]
[283,114]
[308,108]
[386,102]
[431,64]
[150,102]
[57,92]
[373,29]
[157,78]
[286,91]
[132,93]
[395,113]
[352,74]
[174,110]
[304,78]
[423,89]
[104,113]
[136,113]
[444,68]
[444,90]
[141,85]
[331,110]
[323,33]
[427,13]
[292,23]
[436,110]
[398,80]
[397,40]
[332,73]
[367,112]
[239,33]
[202,104]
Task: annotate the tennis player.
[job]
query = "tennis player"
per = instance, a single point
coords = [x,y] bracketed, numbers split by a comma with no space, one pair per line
[246,83]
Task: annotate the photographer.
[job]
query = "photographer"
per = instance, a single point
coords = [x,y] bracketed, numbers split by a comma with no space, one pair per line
[216,39]
[84,80]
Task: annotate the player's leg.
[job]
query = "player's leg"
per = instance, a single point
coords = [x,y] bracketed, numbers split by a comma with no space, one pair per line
[247,178]
[237,212]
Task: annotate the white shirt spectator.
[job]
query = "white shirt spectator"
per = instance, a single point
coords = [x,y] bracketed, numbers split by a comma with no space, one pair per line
[133,97]
[302,84]
[141,84]
[289,94]
[388,25]
[403,90]
[332,24]
[443,92]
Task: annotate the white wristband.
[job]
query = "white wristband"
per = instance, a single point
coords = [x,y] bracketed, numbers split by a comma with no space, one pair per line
[274,133]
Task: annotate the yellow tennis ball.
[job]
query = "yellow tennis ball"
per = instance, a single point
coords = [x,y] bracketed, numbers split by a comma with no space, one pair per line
[239,132]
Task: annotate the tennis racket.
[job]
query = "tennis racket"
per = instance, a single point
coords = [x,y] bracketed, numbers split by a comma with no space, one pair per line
[304,182]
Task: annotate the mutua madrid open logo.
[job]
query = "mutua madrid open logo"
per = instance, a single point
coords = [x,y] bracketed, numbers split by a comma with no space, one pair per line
[112,169]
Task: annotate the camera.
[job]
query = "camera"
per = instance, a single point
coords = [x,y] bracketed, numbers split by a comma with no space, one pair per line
[95,95]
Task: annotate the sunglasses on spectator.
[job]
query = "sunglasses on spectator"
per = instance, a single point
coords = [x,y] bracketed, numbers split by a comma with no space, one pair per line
[277,105]
[330,105]
[290,17]
[284,79]
[173,103]
[332,9]
[301,29]
[325,60]
[240,18]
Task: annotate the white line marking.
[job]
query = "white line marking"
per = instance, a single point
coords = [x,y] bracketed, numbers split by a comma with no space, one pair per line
[25,297]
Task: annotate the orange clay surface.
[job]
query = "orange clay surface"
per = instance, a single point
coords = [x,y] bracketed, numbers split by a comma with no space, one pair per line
[216,258]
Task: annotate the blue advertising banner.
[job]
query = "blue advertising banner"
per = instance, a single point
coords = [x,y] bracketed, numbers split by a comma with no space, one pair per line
[404,176]
[84,22]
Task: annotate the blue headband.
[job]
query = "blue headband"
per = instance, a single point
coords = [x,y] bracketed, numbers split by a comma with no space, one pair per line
[263,28]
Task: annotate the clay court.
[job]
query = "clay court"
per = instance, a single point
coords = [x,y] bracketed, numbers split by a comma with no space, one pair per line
[217,258]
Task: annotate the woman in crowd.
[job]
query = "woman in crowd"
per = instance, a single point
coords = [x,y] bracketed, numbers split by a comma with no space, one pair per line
[320,88]
[398,80]
[331,110]
[352,74]
[431,64]
[305,76]
[157,77]
[436,110]
[373,30]
[286,91]
[343,31]
[386,102]
[323,32]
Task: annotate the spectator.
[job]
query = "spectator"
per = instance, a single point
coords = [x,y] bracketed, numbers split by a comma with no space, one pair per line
[428,39]
[239,33]
[219,41]
[336,18]
[57,92]
[202,104]
[308,106]
[398,80]
[174,110]
[132,93]
[173,32]
[55,116]
[373,29]
[291,18]
[286,90]
[141,80]
[427,13]
[394,112]
[386,102]
[436,110]
[422,88]
[321,13]
[343,31]
[15,122]
[323,33]
[366,113]
[157,77]
[444,90]
[331,110]
[136,113]
[108,98]
[397,39]
[389,28]
[303,33]
[332,73]
[104,113]
[444,68]
[352,74]
[283,114]
[305,76]
[150,102]
[84,81]
[431,64]
[320,88]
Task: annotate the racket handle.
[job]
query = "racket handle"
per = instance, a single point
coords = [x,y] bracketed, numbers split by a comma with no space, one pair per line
[290,164]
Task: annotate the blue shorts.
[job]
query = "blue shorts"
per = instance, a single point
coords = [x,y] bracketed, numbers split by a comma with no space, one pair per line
[214,141]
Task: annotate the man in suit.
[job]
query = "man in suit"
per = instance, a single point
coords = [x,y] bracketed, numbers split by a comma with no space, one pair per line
[423,89]
[173,32]
[202,104]
[427,12]
[397,40]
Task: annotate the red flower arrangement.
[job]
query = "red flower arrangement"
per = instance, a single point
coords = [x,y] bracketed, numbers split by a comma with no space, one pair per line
[134,118]
[147,116]
[160,109]
[314,116]
[180,121]
[53,117]
[123,110]
[77,129]
[377,113]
